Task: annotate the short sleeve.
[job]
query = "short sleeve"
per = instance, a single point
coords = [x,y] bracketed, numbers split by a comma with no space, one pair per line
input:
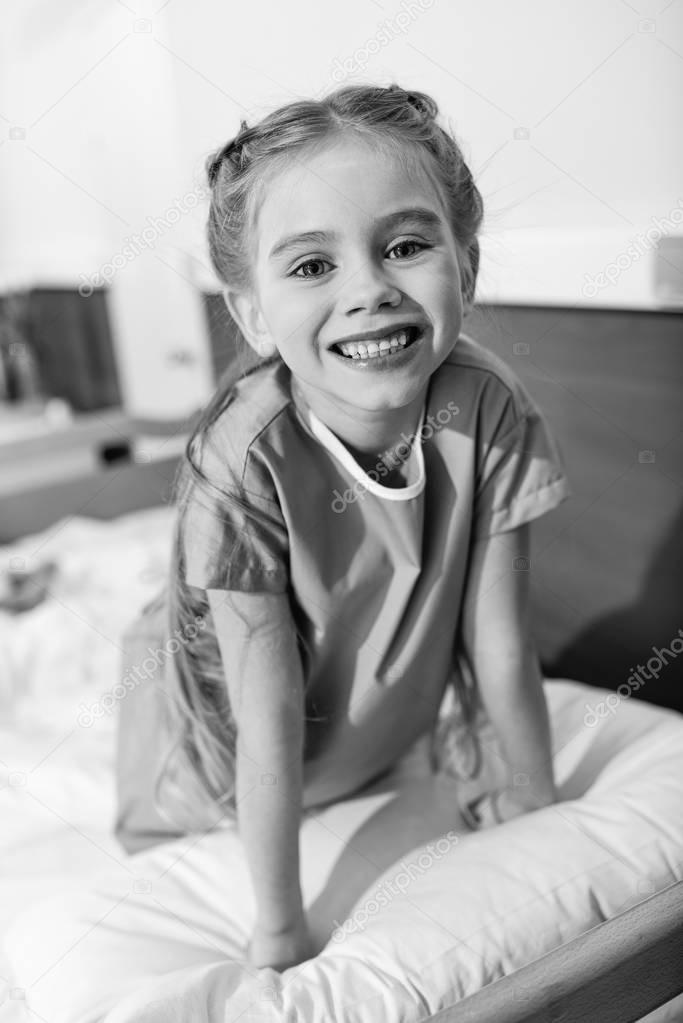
[231,534]
[521,474]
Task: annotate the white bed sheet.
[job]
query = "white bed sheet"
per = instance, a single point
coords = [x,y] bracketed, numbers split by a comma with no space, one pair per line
[58,785]
[56,776]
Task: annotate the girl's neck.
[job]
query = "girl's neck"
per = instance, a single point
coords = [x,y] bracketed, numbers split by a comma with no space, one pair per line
[369,442]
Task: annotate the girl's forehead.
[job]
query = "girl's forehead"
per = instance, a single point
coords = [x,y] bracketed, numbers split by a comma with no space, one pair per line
[345,181]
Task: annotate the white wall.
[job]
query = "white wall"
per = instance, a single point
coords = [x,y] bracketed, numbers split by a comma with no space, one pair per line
[99,162]
[570,116]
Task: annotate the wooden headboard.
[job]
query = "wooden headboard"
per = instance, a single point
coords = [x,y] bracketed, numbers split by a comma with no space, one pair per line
[607,565]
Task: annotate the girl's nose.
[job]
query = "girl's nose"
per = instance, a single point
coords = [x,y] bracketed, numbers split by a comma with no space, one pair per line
[368,289]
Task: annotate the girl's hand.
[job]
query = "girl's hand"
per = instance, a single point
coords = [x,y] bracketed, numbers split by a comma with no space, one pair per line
[281,949]
[500,806]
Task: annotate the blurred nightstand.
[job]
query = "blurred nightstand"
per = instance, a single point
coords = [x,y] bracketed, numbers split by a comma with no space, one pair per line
[98,464]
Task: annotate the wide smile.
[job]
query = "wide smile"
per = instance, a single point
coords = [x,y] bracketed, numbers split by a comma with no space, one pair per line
[390,349]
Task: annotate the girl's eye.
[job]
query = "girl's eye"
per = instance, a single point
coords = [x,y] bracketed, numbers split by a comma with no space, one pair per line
[311,268]
[406,248]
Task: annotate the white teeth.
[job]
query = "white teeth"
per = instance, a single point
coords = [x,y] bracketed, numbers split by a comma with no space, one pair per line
[374,349]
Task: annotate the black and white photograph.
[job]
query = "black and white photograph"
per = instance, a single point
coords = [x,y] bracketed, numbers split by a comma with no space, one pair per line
[341,511]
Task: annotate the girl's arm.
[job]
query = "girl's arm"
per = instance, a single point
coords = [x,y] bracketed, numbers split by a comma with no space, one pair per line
[257,641]
[497,642]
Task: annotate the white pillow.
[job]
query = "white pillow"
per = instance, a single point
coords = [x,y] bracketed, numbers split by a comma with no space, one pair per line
[474,906]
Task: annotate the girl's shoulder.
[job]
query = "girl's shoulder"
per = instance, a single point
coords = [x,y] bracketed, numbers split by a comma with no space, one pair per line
[258,402]
[250,421]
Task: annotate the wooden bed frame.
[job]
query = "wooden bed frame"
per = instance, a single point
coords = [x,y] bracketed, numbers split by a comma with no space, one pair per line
[614,973]
[629,966]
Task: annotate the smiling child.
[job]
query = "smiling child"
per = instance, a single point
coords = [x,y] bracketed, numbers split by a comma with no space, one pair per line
[345,233]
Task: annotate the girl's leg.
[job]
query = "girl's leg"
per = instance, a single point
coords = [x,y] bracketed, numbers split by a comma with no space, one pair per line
[145,738]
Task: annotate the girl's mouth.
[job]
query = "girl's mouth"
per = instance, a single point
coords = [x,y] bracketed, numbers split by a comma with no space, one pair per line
[379,350]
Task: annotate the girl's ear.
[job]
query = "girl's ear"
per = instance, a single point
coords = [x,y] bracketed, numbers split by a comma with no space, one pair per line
[247,315]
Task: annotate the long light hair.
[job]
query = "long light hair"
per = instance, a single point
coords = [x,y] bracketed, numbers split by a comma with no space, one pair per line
[394,119]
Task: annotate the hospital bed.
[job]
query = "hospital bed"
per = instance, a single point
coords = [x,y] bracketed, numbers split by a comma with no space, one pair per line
[576,915]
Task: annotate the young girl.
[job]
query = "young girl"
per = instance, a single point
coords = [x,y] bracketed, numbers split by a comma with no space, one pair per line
[353,510]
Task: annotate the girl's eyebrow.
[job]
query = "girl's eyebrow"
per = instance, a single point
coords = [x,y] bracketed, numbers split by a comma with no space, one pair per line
[306,238]
[416,214]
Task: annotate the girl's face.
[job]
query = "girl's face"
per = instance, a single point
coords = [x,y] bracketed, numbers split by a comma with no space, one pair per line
[352,247]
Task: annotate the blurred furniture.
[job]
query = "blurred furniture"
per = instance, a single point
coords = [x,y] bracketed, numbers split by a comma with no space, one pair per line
[59,343]
[101,465]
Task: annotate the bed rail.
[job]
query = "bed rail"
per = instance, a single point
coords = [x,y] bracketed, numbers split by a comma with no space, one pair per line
[616,972]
